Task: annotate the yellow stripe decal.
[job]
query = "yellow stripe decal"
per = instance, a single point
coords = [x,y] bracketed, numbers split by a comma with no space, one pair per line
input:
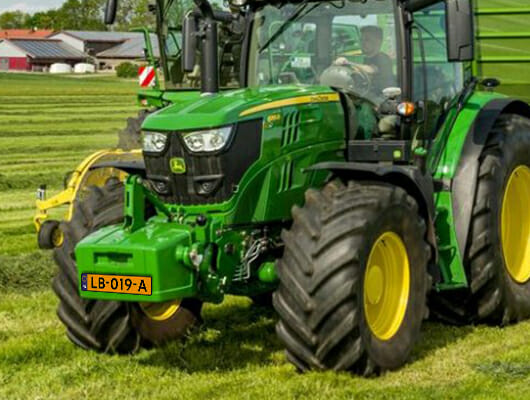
[316,98]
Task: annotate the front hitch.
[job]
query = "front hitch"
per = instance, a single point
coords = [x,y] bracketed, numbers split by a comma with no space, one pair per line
[136,196]
[172,259]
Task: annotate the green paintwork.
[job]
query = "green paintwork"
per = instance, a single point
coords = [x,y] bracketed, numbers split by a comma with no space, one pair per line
[144,252]
[207,260]
[265,194]
[158,98]
[450,263]
[447,149]
[223,108]
[448,144]
[267,273]
[136,196]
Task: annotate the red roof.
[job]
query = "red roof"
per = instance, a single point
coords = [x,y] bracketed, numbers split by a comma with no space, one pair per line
[24,33]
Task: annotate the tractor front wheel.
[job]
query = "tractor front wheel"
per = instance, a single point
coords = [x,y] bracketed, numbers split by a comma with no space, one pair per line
[110,326]
[159,323]
[353,279]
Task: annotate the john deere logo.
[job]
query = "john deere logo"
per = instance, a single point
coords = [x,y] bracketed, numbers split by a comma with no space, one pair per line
[177,165]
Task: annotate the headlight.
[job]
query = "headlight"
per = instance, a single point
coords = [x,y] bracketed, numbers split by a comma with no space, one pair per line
[154,142]
[208,140]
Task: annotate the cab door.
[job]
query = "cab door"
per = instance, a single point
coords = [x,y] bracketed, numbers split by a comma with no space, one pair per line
[435,80]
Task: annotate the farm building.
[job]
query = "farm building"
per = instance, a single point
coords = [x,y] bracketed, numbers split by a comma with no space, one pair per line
[108,48]
[130,50]
[33,50]
[25,33]
[94,42]
[36,54]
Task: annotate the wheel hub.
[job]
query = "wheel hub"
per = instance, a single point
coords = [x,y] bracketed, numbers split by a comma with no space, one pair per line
[160,311]
[57,237]
[515,225]
[374,284]
[386,286]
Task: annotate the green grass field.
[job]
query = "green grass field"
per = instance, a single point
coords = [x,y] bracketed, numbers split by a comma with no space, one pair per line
[47,125]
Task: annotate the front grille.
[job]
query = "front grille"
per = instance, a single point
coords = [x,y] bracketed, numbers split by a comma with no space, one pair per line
[209,178]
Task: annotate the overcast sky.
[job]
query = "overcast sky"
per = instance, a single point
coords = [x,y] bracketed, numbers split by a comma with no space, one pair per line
[29,6]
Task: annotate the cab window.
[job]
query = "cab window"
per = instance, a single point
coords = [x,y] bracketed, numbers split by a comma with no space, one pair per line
[436,81]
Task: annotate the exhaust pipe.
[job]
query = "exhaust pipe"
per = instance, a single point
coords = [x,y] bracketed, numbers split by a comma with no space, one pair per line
[200,26]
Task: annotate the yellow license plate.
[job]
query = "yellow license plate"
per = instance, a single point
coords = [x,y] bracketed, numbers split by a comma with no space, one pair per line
[116,284]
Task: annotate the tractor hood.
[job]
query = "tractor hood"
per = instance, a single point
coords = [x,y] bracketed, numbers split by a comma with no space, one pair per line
[229,107]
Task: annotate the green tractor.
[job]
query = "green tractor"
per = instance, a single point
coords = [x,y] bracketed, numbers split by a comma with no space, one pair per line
[359,177]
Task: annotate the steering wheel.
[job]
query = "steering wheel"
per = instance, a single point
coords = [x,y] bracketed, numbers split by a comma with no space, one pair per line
[350,77]
[363,81]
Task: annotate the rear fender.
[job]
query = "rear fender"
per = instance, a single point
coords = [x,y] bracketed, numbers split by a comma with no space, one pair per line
[464,183]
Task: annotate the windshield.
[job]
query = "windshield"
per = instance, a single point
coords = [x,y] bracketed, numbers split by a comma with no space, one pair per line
[346,44]
[170,35]
[170,38]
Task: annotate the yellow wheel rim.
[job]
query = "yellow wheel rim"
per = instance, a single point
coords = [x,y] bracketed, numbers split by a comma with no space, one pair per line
[386,286]
[160,311]
[57,237]
[515,225]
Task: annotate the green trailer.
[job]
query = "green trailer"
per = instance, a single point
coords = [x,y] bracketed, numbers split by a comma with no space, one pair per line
[367,173]
[503,44]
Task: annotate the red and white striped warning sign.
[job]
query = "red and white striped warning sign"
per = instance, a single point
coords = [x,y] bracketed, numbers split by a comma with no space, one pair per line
[146,76]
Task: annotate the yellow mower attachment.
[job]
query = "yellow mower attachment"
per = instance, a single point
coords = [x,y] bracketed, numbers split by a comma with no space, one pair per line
[93,171]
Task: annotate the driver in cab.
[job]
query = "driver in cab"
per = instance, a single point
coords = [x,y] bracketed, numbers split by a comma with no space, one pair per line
[375,62]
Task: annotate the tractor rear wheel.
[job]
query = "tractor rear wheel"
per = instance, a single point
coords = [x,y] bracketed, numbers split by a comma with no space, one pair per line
[353,279]
[498,254]
[109,326]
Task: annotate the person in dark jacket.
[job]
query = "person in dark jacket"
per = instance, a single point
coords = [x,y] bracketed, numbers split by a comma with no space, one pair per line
[371,42]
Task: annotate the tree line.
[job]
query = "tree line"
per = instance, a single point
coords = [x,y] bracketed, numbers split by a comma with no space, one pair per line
[81,15]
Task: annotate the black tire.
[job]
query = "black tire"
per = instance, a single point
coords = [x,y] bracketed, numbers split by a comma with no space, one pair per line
[320,297]
[47,232]
[131,137]
[103,326]
[493,296]
[177,326]
[262,300]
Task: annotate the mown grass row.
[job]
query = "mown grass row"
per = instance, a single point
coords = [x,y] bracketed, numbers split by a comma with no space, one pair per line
[50,104]
[21,115]
[14,85]
[70,130]
[48,125]
[236,356]
[65,118]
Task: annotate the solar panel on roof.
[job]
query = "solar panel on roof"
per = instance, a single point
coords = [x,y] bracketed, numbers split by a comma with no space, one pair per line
[103,36]
[48,49]
[132,48]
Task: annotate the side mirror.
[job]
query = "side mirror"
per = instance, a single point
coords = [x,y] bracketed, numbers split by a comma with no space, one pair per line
[189,42]
[110,11]
[460,30]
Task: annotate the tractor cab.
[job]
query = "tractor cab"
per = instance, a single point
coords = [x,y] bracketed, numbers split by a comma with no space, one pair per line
[395,63]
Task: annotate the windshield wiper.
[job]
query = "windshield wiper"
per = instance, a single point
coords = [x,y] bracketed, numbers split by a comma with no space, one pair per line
[292,18]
